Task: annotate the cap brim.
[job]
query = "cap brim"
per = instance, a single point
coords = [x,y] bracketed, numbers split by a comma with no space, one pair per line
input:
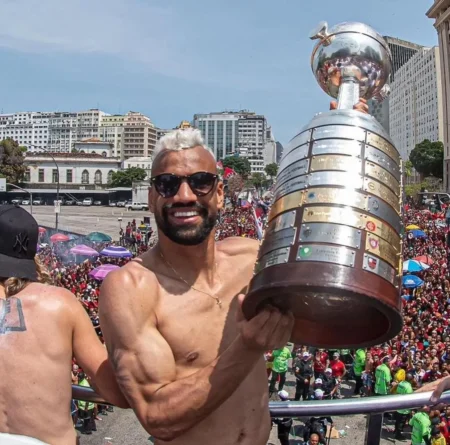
[18,268]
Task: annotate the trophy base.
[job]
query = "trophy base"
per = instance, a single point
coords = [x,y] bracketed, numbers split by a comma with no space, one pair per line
[365,311]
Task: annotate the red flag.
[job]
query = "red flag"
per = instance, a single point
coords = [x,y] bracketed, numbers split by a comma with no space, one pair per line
[228,173]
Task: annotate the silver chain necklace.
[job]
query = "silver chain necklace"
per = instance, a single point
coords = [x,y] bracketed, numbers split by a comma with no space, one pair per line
[218,300]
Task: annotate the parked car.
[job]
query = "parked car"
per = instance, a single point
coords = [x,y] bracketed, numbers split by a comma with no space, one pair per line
[121,203]
[69,202]
[97,203]
[112,203]
[25,202]
[87,201]
[137,206]
[16,201]
[79,203]
[38,202]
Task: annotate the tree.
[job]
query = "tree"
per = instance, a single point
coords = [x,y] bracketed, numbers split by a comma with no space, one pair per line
[428,158]
[125,178]
[235,186]
[408,168]
[239,164]
[257,180]
[271,170]
[11,161]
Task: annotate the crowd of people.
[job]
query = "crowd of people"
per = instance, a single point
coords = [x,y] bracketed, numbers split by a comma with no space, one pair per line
[418,355]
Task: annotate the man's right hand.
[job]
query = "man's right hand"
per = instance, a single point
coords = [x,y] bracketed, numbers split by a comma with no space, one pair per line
[269,329]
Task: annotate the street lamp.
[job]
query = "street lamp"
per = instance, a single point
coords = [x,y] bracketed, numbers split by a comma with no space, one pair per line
[57,182]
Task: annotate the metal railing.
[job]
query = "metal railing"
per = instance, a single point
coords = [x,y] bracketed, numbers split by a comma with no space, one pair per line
[374,407]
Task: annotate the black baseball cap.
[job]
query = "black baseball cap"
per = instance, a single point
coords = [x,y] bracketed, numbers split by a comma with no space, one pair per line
[19,233]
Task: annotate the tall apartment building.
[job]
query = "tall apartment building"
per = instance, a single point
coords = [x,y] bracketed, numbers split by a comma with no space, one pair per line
[62,131]
[29,129]
[440,12]
[415,105]
[111,130]
[139,136]
[228,132]
[401,51]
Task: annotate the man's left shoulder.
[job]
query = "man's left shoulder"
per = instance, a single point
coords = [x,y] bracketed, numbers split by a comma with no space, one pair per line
[237,246]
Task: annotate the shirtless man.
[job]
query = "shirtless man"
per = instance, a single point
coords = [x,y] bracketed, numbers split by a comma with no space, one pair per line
[190,365]
[41,328]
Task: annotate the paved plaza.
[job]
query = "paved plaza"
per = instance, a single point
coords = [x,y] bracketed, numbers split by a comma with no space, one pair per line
[84,220]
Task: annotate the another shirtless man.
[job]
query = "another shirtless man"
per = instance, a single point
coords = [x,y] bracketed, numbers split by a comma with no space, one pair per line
[41,328]
[190,365]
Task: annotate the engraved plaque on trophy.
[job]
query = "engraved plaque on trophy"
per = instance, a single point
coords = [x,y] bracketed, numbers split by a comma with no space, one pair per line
[332,247]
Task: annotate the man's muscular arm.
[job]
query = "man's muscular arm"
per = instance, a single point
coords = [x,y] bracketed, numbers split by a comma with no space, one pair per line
[165,405]
[91,355]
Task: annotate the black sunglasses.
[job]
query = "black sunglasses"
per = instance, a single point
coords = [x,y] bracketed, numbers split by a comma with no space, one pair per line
[168,184]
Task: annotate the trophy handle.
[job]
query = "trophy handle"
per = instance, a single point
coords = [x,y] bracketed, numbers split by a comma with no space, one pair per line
[349,90]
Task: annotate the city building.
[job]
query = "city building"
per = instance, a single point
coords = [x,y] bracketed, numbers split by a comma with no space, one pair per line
[29,129]
[440,12]
[80,171]
[111,130]
[230,132]
[94,145]
[401,51]
[279,152]
[145,163]
[270,148]
[415,104]
[139,136]
[62,131]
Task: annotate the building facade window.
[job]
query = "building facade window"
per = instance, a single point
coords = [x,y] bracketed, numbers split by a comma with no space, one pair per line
[27,176]
[41,175]
[110,175]
[54,175]
[69,175]
[98,177]
[85,177]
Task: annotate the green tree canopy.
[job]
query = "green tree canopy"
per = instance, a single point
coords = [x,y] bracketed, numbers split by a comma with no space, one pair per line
[239,164]
[428,158]
[11,161]
[257,180]
[125,178]
[271,170]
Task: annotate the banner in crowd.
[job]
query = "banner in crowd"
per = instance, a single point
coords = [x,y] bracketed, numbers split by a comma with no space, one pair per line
[257,214]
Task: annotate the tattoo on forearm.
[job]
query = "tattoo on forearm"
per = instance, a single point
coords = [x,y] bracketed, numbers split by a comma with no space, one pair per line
[11,316]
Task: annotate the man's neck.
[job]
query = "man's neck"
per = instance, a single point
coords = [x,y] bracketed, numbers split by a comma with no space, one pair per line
[195,264]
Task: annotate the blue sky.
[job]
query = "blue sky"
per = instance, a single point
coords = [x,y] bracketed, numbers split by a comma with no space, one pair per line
[170,59]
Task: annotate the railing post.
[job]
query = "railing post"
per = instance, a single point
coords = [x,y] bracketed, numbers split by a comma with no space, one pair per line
[373,431]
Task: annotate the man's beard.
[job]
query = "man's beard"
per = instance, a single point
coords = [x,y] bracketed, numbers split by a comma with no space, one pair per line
[188,235]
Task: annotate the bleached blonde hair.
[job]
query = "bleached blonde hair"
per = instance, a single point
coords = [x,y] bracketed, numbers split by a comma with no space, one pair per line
[181,139]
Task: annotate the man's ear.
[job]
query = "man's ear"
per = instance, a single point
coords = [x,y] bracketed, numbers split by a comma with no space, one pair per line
[220,195]
[151,199]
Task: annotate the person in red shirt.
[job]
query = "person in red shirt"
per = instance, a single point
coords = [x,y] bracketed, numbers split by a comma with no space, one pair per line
[320,363]
[338,367]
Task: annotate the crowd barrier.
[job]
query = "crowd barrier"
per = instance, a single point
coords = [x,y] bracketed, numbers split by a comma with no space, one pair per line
[373,407]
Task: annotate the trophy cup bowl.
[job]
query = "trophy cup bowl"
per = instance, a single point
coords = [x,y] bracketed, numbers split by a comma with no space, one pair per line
[331,252]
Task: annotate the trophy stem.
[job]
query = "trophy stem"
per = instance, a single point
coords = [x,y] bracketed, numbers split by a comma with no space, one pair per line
[348,93]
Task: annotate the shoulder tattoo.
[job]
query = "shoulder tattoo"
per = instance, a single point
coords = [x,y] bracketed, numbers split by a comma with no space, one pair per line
[11,316]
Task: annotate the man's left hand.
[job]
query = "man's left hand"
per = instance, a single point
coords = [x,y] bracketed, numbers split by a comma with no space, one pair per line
[360,106]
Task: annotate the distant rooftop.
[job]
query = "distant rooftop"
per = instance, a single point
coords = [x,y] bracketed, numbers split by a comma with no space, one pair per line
[30,154]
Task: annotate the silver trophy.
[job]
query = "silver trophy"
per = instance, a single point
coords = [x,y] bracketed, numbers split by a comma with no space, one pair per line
[331,252]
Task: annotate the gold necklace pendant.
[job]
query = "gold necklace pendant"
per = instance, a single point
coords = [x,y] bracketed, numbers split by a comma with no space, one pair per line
[218,301]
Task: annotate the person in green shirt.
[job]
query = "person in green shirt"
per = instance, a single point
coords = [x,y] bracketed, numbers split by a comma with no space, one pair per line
[279,368]
[86,409]
[421,427]
[401,416]
[383,378]
[359,365]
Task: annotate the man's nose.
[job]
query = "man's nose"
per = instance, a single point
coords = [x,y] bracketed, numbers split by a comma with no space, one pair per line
[185,194]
